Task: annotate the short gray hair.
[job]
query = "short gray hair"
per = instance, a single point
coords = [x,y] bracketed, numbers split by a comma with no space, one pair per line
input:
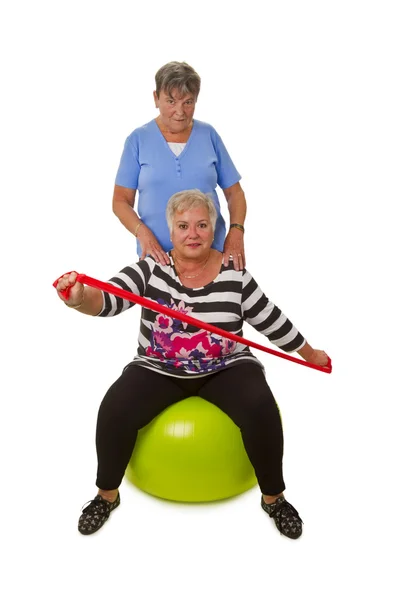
[188,199]
[178,76]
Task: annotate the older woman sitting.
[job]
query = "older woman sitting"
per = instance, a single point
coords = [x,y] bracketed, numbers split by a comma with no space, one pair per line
[176,360]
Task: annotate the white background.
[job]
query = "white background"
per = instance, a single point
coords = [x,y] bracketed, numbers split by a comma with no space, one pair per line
[306,98]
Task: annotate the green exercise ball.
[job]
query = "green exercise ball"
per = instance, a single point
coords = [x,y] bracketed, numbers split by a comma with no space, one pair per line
[191,452]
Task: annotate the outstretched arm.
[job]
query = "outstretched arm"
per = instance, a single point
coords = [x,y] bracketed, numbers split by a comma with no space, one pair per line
[91,301]
[267,318]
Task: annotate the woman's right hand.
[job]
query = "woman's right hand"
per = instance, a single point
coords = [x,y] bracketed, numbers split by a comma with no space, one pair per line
[150,246]
[75,289]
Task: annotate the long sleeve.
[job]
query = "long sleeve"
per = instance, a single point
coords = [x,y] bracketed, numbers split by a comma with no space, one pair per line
[267,318]
[133,279]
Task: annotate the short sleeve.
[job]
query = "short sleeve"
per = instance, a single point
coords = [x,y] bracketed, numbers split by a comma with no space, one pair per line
[129,167]
[227,174]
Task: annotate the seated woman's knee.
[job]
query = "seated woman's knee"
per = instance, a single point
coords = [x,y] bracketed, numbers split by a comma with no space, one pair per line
[258,408]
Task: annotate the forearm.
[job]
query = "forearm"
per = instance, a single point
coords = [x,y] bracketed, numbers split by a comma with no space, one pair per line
[128,216]
[92,302]
[306,352]
[237,207]
[123,207]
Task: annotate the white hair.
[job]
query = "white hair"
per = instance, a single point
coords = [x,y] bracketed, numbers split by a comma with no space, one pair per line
[186,200]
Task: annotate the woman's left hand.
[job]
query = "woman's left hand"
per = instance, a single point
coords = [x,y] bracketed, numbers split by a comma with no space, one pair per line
[319,357]
[316,357]
[234,246]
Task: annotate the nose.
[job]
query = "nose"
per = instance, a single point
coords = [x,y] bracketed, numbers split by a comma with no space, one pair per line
[193,233]
[179,110]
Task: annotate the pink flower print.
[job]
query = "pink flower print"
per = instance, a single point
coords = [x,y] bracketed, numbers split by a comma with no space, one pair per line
[194,351]
[177,344]
[154,353]
[163,323]
[199,345]
[228,346]
[185,310]
[161,340]
[212,345]
[178,363]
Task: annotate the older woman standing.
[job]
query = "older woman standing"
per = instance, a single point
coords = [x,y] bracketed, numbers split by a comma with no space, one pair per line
[176,360]
[171,153]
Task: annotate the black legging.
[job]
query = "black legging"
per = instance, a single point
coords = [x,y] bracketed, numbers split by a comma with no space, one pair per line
[140,394]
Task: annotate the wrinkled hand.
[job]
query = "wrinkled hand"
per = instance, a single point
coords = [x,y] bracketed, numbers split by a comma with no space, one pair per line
[150,246]
[319,357]
[76,289]
[234,246]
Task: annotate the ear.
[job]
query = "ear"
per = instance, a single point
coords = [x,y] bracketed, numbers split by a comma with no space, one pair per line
[156,99]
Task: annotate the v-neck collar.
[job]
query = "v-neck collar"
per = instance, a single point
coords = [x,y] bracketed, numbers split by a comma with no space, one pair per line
[194,127]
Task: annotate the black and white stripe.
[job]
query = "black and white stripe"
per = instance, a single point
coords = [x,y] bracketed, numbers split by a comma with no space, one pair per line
[233,297]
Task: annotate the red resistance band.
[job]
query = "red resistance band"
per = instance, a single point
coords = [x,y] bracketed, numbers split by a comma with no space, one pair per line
[156,307]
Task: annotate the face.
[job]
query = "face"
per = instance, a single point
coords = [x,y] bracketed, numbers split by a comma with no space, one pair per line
[192,233]
[176,111]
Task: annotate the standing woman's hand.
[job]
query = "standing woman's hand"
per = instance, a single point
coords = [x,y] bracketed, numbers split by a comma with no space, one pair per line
[234,246]
[123,207]
[150,245]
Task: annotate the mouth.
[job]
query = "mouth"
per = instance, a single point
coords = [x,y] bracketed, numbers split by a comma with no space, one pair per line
[194,245]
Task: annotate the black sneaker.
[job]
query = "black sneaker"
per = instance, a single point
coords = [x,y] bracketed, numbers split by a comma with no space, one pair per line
[286,517]
[95,514]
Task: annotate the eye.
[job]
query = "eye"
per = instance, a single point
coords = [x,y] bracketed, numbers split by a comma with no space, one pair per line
[203,225]
[182,226]
[189,102]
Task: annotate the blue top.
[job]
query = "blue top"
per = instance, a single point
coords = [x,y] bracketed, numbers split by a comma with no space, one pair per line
[149,166]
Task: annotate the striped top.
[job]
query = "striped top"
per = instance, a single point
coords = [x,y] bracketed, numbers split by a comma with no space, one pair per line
[182,350]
